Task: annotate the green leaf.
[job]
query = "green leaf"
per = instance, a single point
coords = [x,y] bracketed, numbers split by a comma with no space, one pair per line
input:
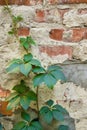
[14,102]
[28,57]
[60,109]
[14,65]
[24,102]
[50,102]
[59,75]
[13,68]
[49,80]
[46,114]
[10,32]
[31,128]
[48,117]
[25,116]
[24,43]
[36,125]
[25,68]
[58,115]
[19,18]
[35,62]
[30,40]
[63,127]
[19,126]
[38,79]
[31,95]
[21,88]
[44,110]
[1,127]
[38,70]
[12,95]
[27,42]
[54,67]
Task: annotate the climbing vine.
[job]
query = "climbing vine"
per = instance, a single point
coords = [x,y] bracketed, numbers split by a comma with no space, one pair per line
[22,95]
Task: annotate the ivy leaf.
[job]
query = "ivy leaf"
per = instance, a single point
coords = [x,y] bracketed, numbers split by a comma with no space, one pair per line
[54,67]
[49,76]
[20,89]
[36,125]
[25,68]
[25,116]
[63,127]
[27,42]
[1,127]
[31,95]
[56,72]
[30,40]
[14,102]
[19,126]
[24,43]
[50,102]
[24,102]
[17,19]
[48,117]
[12,95]
[38,79]
[35,62]
[14,66]
[49,80]
[38,70]
[46,114]
[60,109]
[58,115]
[44,109]
[59,75]
[28,57]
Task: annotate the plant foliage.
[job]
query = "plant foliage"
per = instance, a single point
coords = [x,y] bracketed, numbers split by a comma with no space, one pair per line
[22,96]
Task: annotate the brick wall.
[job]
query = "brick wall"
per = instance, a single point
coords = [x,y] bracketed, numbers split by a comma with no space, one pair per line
[59,28]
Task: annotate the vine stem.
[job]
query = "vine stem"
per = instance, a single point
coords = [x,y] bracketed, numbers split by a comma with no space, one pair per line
[37,102]
[14,25]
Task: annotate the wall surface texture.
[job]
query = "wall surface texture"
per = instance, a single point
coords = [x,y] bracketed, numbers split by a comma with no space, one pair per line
[59,28]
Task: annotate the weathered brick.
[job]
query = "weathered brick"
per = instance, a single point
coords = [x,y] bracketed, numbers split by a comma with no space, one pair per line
[56,34]
[57,50]
[40,15]
[3,109]
[71,35]
[67,1]
[23,31]
[63,11]
[79,34]
[34,2]
[18,2]
[4,93]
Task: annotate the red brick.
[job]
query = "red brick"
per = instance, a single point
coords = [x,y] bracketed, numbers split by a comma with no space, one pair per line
[67,1]
[79,34]
[4,93]
[63,11]
[35,2]
[18,2]
[57,50]
[56,34]
[23,31]
[40,15]
[3,109]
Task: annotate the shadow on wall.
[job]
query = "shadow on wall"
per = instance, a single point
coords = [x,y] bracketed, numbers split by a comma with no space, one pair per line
[76,73]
